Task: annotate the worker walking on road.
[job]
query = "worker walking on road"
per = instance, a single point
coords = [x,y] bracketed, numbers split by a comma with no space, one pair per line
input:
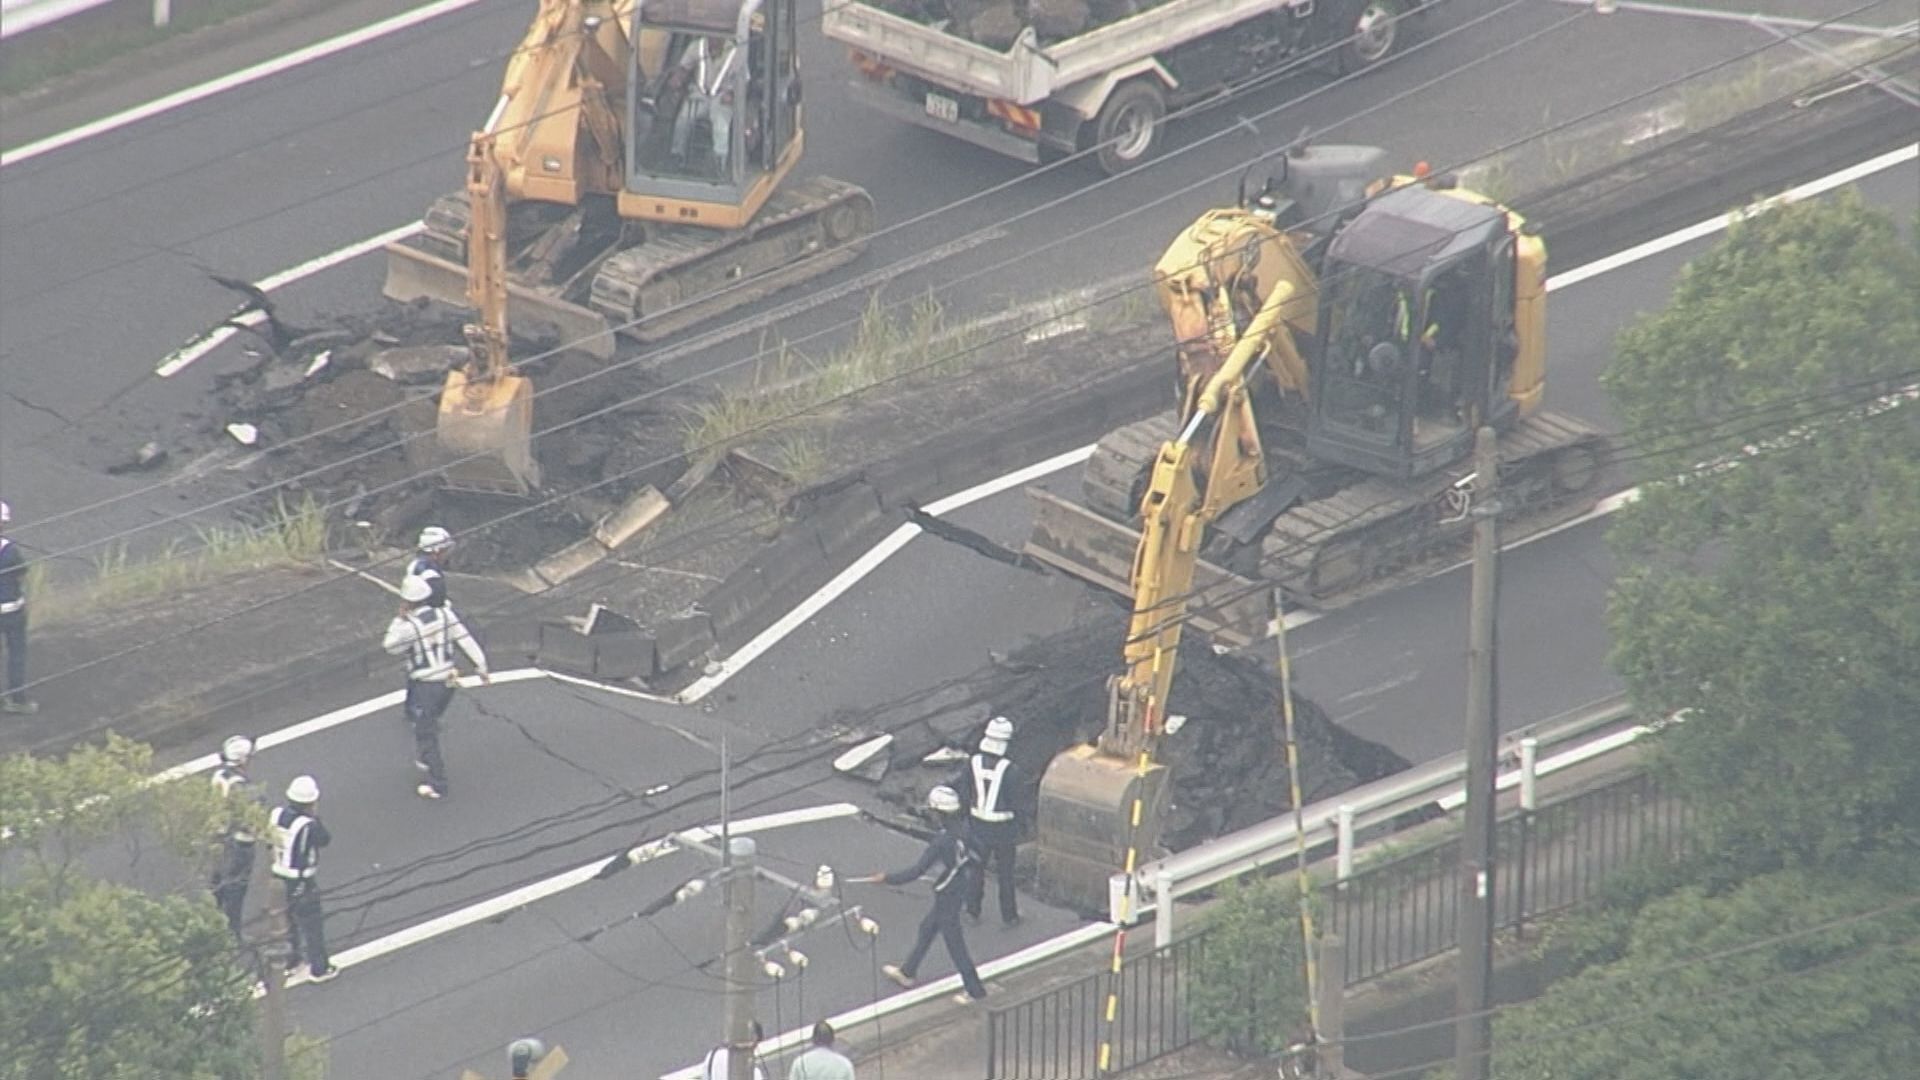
[298,837]
[952,856]
[13,619]
[821,1061]
[230,876]
[426,635]
[429,562]
[989,782]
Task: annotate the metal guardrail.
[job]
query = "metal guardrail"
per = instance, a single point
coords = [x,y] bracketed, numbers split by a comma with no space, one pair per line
[19,16]
[1440,783]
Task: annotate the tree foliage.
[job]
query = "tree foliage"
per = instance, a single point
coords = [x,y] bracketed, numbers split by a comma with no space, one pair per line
[1775,594]
[1248,989]
[102,978]
[1789,975]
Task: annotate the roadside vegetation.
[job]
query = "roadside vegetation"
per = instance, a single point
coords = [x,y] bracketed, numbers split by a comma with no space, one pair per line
[294,535]
[58,53]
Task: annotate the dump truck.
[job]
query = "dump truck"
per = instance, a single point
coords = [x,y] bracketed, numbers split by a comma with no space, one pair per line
[1339,340]
[1040,79]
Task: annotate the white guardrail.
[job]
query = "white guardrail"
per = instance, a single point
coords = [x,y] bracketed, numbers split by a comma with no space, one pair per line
[1338,821]
[20,16]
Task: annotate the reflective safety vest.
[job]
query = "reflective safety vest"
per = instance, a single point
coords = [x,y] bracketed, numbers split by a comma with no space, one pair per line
[228,781]
[987,780]
[293,857]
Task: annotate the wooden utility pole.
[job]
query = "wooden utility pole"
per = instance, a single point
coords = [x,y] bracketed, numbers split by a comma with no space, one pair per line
[1473,1034]
[269,951]
[740,874]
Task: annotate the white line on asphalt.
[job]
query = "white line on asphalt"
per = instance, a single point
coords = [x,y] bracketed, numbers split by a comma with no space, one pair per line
[496,906]
[864,565]
[262,70]
[213,339]
[1758,19]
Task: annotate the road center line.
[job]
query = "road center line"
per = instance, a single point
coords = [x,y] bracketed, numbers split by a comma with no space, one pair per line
[262,70]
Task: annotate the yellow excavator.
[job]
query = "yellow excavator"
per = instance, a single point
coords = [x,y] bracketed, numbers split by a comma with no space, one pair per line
[1339,339]
[641,153]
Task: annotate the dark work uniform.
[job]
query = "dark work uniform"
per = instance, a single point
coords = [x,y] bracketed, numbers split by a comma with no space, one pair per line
[230,877]
[297,840]
[957,866]
[987,786]
[13,619]
[427,569]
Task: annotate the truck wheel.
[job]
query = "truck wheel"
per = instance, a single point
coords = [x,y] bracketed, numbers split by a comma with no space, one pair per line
[1376,35]
[1128,128]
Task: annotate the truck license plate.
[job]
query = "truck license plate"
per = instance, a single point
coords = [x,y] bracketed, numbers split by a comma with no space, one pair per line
[942,107]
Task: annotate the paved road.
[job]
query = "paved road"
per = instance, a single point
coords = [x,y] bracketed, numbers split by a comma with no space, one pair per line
[526,756]
[110,240]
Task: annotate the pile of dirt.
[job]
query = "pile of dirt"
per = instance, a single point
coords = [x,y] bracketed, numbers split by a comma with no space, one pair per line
[345,412]
[1228,759]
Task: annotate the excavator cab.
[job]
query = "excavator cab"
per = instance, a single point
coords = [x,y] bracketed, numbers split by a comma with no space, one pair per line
[1417,321]
[714,104]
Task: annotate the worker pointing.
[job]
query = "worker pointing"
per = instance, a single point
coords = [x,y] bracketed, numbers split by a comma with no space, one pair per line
[990,782]
[954,862]
[298,837]
[427,635]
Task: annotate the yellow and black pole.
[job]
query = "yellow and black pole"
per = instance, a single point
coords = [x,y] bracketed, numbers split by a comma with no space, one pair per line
[1309,947]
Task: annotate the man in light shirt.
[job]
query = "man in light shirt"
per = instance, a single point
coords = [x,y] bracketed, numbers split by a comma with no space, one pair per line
[821,1061]
[719,1063]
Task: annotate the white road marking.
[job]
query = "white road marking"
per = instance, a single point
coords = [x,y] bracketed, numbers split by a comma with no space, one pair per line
[262,70]
[178,360]
[493,907]
[1757,19]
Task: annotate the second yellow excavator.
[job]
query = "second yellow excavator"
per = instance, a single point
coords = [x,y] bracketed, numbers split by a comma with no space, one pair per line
[1340,338]
[641,151]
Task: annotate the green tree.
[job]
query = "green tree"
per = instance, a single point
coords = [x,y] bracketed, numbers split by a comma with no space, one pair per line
[1794,974]
[113,964]
[1248,988]
[1776,600]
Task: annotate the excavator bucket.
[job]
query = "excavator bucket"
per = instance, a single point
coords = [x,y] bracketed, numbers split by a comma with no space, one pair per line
[485,431]
[414,273]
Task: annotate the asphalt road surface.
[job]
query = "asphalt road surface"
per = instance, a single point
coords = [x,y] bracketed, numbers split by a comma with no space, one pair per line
[102,276]
[549,778]
[111,240]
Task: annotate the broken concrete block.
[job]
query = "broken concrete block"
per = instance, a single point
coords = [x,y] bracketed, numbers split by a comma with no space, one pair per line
[645,507]
[683,639]
[565,648]
[868,761]
[1057,19]
[624,656]
[570,561]
[245,434]
[417,364]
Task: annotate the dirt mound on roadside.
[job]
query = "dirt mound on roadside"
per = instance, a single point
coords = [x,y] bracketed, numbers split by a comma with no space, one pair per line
[1228,758]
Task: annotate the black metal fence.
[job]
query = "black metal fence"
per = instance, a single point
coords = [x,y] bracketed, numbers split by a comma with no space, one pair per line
[1392,913]
[1057,1035]
[1404,910]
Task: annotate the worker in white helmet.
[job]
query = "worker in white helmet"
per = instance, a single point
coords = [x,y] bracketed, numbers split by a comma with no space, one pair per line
[230,876]
[988,785]
[955,863]
[13,619]
[429,562]
[298,837]
[427,635]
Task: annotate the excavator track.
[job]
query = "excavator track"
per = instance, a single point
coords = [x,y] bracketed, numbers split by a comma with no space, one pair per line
[1353,535]
[683,275]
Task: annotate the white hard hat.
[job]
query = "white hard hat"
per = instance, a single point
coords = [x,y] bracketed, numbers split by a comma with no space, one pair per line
[943,800]
[435,538]
[999,733]
[304,789]
[414,589]
[236,750]
[6,512]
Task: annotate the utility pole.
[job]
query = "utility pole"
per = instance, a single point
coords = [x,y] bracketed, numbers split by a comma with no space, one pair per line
[740,960]
[269,952]
[1473,1034]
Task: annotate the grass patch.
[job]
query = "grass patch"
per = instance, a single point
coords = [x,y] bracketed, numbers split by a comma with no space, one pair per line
[788,391]
[61,53]
[295,534]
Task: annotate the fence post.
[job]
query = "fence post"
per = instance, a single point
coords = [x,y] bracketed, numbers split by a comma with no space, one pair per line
[1343,838]
[1529,796]
[162,12]
[1333,1006]
[1162,908]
